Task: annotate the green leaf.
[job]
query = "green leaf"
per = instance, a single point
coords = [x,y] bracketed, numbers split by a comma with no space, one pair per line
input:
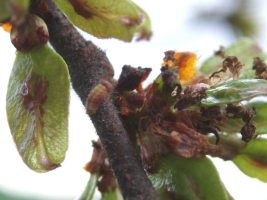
[37,107]
[252,160]
[5,7]
[89,192]
[120,19]
[233,91]
[245,50]
[112,195]
[188,179]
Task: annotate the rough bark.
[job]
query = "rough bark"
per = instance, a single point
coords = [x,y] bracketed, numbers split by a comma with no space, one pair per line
[87,65]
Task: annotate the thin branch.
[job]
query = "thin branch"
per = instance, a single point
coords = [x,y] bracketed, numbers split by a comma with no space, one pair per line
[87,65]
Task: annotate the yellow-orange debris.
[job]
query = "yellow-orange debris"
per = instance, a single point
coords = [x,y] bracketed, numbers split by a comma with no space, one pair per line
[7,27]
[186,63]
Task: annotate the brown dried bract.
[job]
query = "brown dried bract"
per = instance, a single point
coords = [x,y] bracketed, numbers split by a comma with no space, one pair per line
[212,118]
[151,145]
[131,78]
[260,68]
[130,103]
[169,56]
[97,162]
[170,80]
[181,139]
[192,95]
[220,52]
[136,99]
[241,111]
[232,64]
[186,142]
[98,165]
[248,131]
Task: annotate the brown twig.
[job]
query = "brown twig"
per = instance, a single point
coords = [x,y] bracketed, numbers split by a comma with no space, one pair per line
[87,65]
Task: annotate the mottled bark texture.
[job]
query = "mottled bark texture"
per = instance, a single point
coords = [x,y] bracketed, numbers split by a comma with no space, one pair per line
[87,65]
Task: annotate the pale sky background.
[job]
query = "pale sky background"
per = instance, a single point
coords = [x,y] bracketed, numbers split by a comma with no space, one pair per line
[172,31]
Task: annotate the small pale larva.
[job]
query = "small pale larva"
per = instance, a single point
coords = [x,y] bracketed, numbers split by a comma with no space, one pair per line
[98,95]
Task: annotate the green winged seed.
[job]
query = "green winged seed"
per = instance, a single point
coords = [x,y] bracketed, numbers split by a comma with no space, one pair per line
[234,91]
[37,107]
[121,19]
[5,13]
[190,179]
[252,160]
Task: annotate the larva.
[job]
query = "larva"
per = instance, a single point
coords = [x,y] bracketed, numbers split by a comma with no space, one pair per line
[98,95]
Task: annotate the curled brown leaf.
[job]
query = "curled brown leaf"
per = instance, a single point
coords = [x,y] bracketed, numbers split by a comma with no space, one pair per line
[187,142]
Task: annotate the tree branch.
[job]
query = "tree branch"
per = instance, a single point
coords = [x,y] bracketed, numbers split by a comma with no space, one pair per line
[87,65]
